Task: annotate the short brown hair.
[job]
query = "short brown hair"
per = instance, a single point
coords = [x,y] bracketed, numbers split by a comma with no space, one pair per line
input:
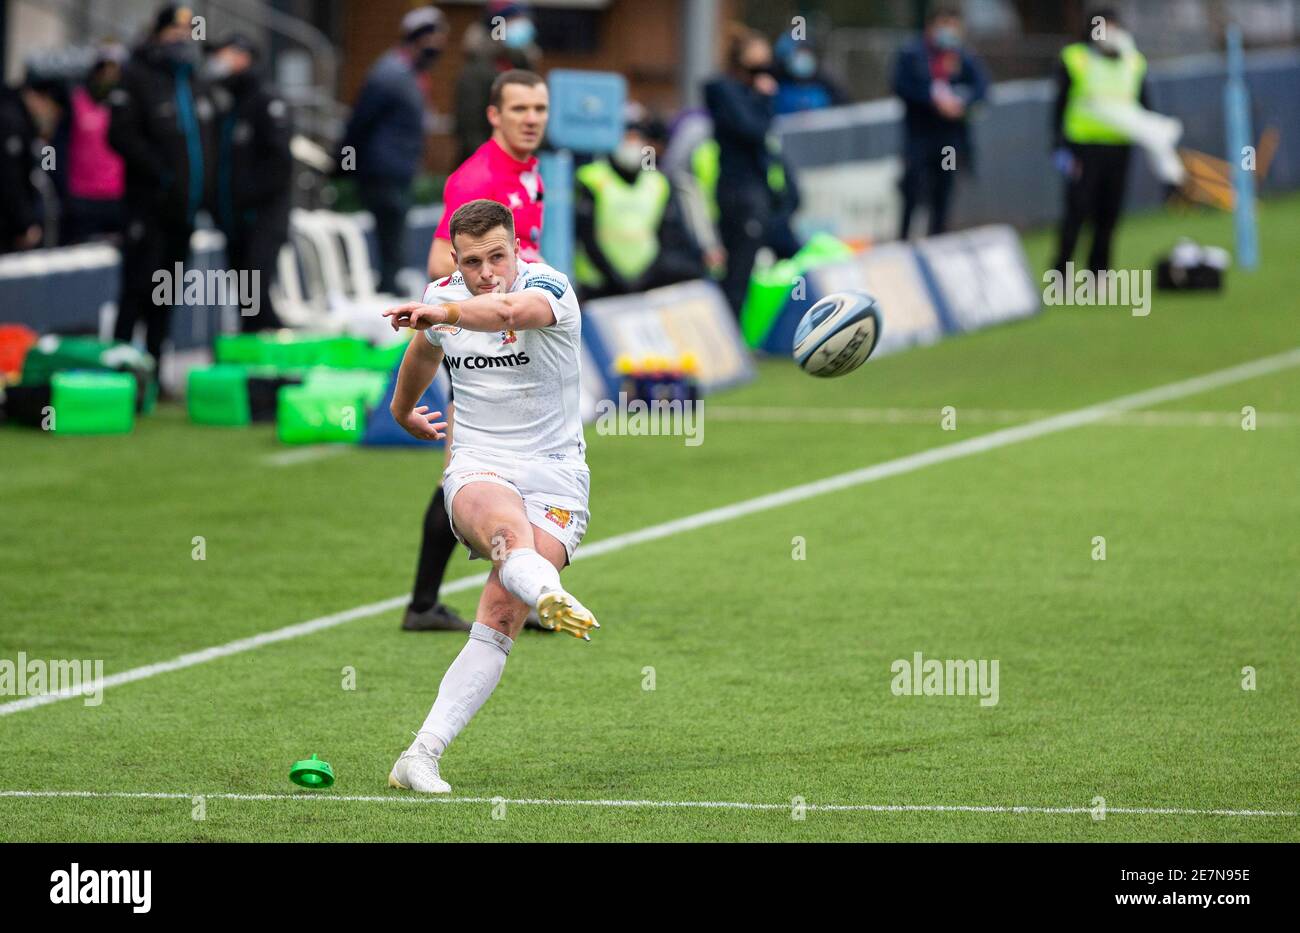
[478,217]
[513,76]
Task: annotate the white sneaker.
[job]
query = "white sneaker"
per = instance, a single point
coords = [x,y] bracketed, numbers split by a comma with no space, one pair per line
[417,770]
[558,610]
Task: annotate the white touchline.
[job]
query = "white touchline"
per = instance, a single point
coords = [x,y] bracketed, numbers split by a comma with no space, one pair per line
[646,804]
[907,464]
[932,416]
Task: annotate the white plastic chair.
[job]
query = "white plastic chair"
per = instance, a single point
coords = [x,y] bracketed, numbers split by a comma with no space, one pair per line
[356,313]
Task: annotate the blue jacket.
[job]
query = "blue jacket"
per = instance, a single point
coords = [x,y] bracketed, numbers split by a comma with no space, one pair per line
[922,122]
[387,124]
[794,96]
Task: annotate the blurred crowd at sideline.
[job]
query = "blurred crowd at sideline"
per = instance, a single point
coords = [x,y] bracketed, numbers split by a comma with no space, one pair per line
[134,149]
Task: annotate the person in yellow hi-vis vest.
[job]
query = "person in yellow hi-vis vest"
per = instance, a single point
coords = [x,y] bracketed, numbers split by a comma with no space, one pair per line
[1103,72]
[631,232]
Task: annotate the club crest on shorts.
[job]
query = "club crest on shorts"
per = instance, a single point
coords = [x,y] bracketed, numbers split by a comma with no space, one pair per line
[508,336]
[561,517]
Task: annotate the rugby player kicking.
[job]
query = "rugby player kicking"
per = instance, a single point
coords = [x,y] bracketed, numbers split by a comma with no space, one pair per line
[517,482]
[502,169]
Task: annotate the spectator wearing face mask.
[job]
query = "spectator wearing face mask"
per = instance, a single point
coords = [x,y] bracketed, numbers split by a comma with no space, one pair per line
[96,173]
[161,126]
[385,133]
[251,196]
[939,82]
[754,192]
[1103,70]
[632,235]
[801,83]
[503,41]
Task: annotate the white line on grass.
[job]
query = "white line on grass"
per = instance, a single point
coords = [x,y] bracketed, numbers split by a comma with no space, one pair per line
[907,464]
[639,804]
[307,454]
[1173,419]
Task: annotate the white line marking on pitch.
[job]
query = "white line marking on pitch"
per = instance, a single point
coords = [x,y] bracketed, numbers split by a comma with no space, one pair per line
[1172,419]
[907,464]
[307,454]
[636,804]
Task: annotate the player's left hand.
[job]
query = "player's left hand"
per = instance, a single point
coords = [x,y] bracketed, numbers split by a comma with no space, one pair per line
[423,424]
[414,314]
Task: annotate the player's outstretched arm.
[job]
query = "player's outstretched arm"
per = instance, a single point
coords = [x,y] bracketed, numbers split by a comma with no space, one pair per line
[528,309]
[419,365]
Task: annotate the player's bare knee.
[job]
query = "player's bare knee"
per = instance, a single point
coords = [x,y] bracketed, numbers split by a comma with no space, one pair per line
[507,537]
[503,540]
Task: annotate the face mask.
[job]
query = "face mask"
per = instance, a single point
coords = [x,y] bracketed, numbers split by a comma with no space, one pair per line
[1121,40]
[425,58]
[519,33]
[1116,41]
[181,52]
[216,70]
[945,37]
[99,89]
[627,156]
[803,65]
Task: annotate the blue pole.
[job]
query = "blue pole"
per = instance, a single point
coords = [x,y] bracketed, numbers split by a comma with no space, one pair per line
[557,222]
[1237,111]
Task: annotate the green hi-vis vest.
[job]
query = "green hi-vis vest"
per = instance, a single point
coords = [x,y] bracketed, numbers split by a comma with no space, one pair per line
[627,220]
[1097,79]
[704,166]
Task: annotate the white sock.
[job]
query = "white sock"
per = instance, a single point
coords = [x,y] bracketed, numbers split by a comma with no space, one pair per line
[528,575]
[465,687]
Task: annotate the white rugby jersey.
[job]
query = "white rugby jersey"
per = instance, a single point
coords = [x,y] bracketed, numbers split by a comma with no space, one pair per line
[515,391]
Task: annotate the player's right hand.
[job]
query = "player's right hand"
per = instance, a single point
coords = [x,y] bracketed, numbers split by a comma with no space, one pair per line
[422,424]
[414,314]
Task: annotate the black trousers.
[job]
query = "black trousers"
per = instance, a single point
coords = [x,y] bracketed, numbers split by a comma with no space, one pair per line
[926,181]
[86,218]
[388,202]
[256,248]
[1096,196]
[744,219]
[148,245]
[437,544]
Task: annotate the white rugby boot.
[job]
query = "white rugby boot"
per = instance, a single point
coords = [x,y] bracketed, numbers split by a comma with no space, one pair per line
[561,611]
[417,770]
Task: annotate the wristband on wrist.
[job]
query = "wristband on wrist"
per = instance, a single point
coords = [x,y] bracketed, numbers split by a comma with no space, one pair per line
[452,310]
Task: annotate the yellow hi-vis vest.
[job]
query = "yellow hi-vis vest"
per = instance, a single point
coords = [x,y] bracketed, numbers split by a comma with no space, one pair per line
[626,221]
[1097,79]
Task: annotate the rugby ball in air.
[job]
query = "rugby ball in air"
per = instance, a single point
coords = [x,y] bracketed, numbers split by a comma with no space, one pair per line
[837,334]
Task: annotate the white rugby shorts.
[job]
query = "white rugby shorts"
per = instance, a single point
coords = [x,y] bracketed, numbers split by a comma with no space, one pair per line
[554,491]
